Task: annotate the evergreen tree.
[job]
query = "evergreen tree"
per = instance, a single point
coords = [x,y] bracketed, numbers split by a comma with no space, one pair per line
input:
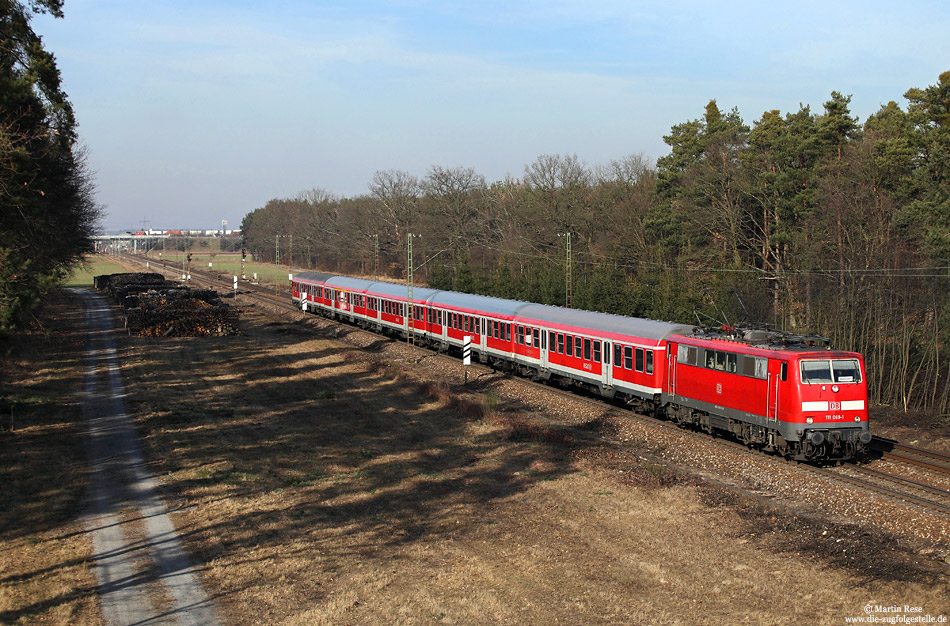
[48,212]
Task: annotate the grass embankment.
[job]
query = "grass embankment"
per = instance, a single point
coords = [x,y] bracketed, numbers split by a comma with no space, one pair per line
[320,485]
[225,264]
[316,483]
[44,573]
[91,267]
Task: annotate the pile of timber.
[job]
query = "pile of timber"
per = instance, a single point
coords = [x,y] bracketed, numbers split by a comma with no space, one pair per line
[155,307]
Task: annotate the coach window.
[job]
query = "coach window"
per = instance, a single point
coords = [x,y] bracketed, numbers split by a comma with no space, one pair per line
[569,351]
[552,341]
[618,355]
[508,332]
[537,338]
[596,351]
[578,350]
[560,343]
[638,363]
[627,358]
[649,367]
[587,349]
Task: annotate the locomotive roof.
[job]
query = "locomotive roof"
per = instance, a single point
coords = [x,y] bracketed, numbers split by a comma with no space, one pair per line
[482,304]
[605,322]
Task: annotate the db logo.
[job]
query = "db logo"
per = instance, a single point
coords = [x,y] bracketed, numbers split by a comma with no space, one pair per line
[834,406]
[719,388]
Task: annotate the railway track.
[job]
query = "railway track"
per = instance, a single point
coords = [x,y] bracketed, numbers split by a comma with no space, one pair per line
[893,487]
[929,459]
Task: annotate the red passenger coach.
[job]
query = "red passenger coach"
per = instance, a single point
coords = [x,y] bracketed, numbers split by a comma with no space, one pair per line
[784,393]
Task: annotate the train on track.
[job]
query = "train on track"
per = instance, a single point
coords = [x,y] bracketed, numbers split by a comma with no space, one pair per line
[783,393]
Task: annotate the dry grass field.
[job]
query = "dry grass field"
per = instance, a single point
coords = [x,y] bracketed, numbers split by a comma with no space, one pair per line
[44,575]
[316,484]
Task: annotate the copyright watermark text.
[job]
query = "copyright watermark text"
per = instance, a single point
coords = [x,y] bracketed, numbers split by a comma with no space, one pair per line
[895,614]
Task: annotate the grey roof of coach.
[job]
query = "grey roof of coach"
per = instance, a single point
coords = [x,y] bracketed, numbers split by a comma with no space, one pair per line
[346,282]
[605,322]
[419,294]
[317,277]
[485,304]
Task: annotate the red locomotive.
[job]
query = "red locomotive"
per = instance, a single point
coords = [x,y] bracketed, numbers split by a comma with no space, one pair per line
[783,393]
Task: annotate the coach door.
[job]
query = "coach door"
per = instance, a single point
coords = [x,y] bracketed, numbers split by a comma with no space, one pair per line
[543,349]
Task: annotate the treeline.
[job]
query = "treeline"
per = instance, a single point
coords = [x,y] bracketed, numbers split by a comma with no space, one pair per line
[47,211]
[807,221]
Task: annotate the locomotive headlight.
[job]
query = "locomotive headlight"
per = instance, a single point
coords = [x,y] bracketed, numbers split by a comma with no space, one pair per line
[834,388]
[857,418]
[809,420]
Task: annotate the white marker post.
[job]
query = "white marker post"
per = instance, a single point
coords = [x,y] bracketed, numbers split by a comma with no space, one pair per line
[466,354]
[235,285]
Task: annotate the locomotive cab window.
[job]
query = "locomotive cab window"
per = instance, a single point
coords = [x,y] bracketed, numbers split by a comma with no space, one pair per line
[827,371]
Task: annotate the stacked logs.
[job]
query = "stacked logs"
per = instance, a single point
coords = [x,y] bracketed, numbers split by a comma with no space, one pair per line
[155,307]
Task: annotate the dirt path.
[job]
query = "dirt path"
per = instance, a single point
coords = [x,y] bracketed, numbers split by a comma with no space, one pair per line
[142,571]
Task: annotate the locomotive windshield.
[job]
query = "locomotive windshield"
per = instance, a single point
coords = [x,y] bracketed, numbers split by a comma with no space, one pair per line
[827,371]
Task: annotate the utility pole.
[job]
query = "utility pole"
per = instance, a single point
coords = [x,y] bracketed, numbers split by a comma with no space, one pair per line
[376,257]
[410,312]
[277,251]
[569,271]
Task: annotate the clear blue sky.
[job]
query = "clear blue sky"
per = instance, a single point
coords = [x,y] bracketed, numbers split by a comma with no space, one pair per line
[195,112]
